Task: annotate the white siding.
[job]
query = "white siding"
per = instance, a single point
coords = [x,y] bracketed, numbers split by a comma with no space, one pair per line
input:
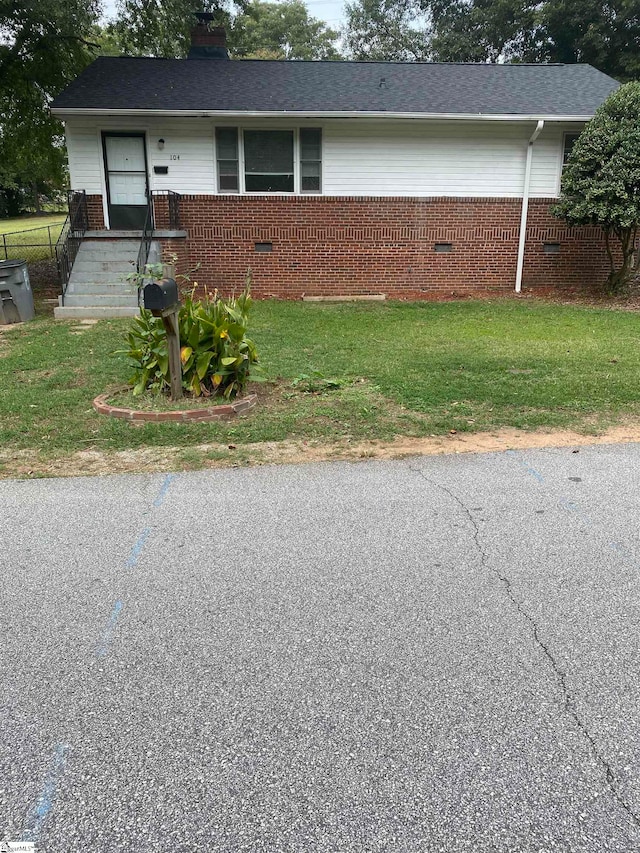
[189,142]
[360,158]
[546,165]
[439,159]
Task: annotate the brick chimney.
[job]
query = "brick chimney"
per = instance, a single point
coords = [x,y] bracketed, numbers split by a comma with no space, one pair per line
[207,40]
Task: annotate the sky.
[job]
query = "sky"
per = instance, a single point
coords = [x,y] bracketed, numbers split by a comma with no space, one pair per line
[331,11]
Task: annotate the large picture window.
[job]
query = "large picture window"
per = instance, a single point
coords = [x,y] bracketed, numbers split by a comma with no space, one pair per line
[269,161]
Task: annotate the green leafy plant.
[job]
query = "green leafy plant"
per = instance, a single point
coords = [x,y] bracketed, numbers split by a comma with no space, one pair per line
[316,383]
[217,356]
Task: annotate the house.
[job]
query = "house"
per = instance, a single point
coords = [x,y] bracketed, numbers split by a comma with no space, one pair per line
[410,180]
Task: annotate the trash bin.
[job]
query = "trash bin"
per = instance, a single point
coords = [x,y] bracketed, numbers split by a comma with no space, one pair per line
[16,296]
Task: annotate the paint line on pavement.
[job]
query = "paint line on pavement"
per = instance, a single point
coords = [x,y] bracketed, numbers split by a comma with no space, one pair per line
[47,795]
[575,509]
[135,552]
[164,489]
[105,643]
[532,471]
[132,561]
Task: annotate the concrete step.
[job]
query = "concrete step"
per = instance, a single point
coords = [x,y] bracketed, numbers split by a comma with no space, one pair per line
[105,256]
[119,265]
[69,312]
[110,245]
[99,300]
[97,287]
[99,277]
[110,235]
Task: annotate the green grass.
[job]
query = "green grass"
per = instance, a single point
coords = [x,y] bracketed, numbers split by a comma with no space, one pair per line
[401,369]
[28,236]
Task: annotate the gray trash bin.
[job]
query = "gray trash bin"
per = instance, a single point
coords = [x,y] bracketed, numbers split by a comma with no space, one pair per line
[16,296]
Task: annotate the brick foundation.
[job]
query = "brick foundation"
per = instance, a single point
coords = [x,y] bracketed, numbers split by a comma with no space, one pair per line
[324,246]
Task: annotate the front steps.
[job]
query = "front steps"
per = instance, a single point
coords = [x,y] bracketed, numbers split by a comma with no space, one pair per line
[97,286]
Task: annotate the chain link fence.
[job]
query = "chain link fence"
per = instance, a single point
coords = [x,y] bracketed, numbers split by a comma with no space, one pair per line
[32,244]
[38,247]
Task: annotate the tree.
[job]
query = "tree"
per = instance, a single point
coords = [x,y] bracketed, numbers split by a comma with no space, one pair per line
[161,27]
[281,31]
[442,30]
[601,181]
[393,30]
[483,30]
[43,46]
[107,39]
[604,33]
[254,28]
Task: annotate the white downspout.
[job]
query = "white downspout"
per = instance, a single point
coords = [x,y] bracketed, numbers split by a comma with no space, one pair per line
[525,205]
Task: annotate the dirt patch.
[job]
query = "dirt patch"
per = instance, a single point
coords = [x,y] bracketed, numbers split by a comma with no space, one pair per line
[93,461]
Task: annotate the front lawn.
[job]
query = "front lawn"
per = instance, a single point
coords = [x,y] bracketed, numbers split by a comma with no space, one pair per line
[350,370]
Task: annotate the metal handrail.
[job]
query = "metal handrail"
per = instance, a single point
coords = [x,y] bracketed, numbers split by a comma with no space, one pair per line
[173,202]
[173,209]
[147,236]
[73,230]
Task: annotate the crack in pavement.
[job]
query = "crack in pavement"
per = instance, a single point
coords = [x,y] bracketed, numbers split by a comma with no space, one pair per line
[561,677]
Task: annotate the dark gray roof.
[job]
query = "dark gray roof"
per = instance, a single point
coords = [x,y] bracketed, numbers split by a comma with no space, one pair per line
[128,83]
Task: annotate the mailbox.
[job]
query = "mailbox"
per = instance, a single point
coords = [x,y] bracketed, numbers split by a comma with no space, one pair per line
[160,295]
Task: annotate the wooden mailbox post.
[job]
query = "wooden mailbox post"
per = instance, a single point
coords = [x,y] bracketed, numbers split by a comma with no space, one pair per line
[161,298]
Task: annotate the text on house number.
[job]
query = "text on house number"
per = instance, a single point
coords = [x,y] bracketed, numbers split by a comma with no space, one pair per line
[174,156]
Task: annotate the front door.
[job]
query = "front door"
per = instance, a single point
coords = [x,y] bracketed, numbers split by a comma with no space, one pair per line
[127,186]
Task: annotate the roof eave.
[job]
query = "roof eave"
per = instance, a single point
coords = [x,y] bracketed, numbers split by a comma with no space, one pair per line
[317,114]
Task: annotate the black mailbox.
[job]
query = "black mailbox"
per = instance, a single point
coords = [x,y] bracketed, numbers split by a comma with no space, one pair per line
[160,295]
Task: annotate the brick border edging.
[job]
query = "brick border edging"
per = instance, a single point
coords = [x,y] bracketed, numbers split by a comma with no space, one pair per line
[212,413]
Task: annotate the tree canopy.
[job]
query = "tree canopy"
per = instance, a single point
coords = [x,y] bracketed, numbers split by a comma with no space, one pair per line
[255,28]
[281,31]
[601,181]
[43,46]
[604,33]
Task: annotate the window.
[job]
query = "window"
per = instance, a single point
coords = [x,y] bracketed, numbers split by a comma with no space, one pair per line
[569,142]
[269,161]
[227,154]
[310,159]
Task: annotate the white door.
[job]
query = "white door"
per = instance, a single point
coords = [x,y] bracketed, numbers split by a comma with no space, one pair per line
[127,180]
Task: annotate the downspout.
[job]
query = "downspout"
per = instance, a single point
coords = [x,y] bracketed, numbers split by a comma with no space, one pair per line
[525,205]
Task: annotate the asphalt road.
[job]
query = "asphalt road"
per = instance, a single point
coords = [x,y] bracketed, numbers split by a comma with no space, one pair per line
[436,654]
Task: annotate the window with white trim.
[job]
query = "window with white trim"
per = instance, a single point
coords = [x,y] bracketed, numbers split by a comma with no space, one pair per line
[269,161]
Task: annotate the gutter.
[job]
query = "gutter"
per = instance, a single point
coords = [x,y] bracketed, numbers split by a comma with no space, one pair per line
[525,205]
[314,114]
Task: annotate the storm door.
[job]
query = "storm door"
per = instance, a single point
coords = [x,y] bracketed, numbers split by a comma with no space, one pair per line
[125,163]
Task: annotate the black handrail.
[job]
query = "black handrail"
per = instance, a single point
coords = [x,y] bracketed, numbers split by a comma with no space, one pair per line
[173,202]
[73,230]
[173,211]
[147,235]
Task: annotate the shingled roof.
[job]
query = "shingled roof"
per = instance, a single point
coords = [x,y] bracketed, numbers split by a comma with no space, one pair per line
[113,84]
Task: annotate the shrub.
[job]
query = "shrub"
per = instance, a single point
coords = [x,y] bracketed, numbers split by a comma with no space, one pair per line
[217,357]
[601,181]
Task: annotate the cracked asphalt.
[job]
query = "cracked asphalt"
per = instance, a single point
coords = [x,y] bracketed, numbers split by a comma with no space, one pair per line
[433,654]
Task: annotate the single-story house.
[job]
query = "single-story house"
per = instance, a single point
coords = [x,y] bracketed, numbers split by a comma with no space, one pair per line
[413,180]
